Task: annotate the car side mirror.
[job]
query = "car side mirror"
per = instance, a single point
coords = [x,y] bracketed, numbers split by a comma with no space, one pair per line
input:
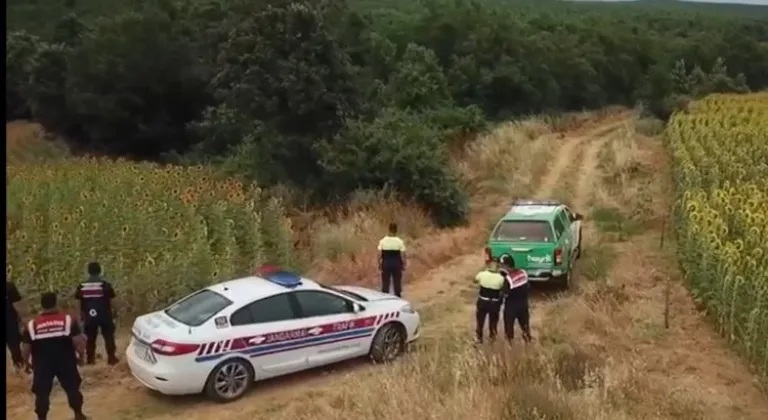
[357,308]
[578,216]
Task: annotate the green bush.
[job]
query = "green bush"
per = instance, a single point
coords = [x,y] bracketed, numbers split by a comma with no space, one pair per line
[397,150]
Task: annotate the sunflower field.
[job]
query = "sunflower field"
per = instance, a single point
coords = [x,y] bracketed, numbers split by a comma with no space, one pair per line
[720,152]
[159,232]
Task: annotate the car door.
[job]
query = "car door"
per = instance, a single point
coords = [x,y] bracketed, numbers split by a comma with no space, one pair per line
[575,227]
[566,240]
[338,332]
[269,331]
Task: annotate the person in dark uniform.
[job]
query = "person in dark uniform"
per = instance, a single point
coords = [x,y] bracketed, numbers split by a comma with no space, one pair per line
[55,344]
[516,291]
[488,305]
[12,324]
[392,261]
[95,296]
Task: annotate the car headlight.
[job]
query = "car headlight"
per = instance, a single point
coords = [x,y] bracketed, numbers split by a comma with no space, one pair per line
[408,309]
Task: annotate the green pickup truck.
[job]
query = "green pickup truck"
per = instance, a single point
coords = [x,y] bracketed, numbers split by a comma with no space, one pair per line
[542,236]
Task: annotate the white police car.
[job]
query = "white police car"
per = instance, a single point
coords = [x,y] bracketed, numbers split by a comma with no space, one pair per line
[221,339]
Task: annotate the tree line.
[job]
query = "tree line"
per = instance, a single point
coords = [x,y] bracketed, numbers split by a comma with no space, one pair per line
[331,96]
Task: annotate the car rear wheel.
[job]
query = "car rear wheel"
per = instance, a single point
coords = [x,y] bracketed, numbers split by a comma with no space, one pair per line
[388,344]
[566,280]
[229,380]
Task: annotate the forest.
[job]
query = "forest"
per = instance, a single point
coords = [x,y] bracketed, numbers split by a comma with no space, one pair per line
[332,96]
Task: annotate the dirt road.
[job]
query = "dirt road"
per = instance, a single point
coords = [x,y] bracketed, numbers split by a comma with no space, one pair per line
[688,358]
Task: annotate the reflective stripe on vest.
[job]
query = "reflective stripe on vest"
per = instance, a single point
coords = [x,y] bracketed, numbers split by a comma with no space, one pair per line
[92,290]
[50,326]
[519,278]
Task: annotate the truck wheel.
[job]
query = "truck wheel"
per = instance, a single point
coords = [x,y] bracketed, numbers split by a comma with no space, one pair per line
[229,380]
[388,344]
[566,280]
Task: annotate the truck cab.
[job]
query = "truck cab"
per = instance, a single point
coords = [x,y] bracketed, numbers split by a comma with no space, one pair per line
[543,237]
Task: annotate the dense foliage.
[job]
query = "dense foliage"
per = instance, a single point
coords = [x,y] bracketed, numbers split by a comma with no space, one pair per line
[720,150]
[332,95]
[163,231]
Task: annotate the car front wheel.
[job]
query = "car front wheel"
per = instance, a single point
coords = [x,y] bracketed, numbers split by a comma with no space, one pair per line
[229,380]
[388,344]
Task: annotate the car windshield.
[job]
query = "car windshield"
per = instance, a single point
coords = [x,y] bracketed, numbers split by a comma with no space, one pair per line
[195,309]
[345,293]
[523,231]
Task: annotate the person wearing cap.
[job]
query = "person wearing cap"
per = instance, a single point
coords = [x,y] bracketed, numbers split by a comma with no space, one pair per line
[516,291]
[392,261]
[490,284]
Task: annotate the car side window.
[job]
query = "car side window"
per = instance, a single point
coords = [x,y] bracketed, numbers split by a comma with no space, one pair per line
[569,214]
[271,309]
[316,303]
[559,227]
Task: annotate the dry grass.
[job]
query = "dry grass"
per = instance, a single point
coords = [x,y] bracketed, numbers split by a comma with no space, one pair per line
[343,241]
[27,142]
[599,354]
[505,162]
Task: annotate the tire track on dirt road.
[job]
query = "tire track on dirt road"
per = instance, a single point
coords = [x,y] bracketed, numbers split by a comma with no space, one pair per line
[115,394]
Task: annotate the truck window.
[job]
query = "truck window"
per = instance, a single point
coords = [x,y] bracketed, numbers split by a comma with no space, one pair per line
[559,227]
[523,231]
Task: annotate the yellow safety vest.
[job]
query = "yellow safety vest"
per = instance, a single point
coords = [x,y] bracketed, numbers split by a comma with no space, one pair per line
[490,280]
[391,243]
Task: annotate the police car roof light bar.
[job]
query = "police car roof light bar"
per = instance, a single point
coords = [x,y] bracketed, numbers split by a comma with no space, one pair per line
[266,269]
[534,202]
[282,278]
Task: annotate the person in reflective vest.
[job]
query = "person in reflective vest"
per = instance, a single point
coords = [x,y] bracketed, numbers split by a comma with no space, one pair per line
[516,290]
[392,261]
[55,344]
[95,296]
[488,305]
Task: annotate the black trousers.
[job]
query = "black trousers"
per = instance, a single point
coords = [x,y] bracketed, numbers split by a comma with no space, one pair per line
[486,309]
[91,328]
[42,384]
[517,310]
[392,276]
[13,341]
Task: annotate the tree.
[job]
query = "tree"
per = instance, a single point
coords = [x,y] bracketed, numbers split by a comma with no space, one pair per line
[399,151]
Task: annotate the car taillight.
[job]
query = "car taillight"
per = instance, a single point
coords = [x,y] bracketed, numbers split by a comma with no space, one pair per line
[488,255]
[558,256]
[169,348]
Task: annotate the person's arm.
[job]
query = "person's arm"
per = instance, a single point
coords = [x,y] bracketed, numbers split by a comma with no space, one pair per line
[26,349]
[79,300]
[505,287]
[380,258]
[77,340]
[111,295]
[403,254]
[15,298]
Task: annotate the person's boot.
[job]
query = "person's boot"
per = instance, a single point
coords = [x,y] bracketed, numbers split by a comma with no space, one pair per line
[113,360]
[80,416]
